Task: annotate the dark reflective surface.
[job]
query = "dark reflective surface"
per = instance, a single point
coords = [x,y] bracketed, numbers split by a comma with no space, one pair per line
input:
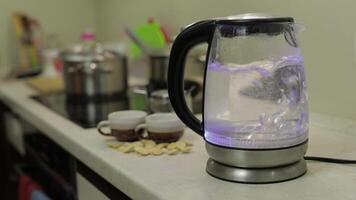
[89,111]
[86,112]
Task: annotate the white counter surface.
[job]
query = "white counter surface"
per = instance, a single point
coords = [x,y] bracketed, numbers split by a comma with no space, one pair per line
[183,176]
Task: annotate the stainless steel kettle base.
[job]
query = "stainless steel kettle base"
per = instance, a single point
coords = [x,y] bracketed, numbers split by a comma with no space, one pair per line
[256,175]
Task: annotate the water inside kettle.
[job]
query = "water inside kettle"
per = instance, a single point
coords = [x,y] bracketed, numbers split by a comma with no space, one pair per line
[261,104]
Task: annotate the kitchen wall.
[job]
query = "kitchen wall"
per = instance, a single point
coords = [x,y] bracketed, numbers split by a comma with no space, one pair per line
[328,42]
[65,18]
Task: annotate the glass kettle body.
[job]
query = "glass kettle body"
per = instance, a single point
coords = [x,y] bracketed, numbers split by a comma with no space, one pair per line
[255,93]
[255,106]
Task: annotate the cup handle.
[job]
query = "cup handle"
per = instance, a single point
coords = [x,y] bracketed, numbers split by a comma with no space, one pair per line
[139,130]
[101,125]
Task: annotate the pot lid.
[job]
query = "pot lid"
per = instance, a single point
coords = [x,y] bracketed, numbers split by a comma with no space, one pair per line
[81,53]
[163,94]
[160,94]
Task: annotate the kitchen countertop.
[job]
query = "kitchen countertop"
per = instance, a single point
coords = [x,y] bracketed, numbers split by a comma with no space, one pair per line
[183,176]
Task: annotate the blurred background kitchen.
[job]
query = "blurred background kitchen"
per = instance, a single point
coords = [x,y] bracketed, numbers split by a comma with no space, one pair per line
[45,42]
[328,43]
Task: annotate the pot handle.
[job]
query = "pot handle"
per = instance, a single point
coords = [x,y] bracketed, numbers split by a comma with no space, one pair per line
[192,35]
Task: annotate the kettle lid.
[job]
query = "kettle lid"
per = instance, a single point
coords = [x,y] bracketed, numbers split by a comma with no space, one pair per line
[253,23]
[253,18]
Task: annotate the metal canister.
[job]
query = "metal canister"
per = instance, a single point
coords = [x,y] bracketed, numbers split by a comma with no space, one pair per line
[159,101]
[158,68]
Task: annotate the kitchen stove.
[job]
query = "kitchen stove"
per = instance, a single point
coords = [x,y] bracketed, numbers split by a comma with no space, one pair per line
[84,111]
[89,111]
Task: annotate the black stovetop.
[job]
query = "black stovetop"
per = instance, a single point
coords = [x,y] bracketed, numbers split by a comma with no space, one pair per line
[88,112]
[82,111]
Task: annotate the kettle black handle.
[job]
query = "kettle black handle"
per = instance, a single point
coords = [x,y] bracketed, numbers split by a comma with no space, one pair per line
[192,35]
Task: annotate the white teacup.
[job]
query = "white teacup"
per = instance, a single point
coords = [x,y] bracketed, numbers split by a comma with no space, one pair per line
[161,127]
[122,124]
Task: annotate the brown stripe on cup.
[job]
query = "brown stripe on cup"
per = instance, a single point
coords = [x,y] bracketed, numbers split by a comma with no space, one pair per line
[124,135]
[165,136]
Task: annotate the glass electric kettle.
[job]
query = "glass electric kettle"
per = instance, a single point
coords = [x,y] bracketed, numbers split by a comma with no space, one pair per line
[255,112]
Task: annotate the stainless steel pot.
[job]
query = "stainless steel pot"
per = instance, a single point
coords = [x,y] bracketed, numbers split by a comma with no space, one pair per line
[94,71]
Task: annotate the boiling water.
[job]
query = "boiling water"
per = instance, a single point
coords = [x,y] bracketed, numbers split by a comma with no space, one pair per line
[257,105]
